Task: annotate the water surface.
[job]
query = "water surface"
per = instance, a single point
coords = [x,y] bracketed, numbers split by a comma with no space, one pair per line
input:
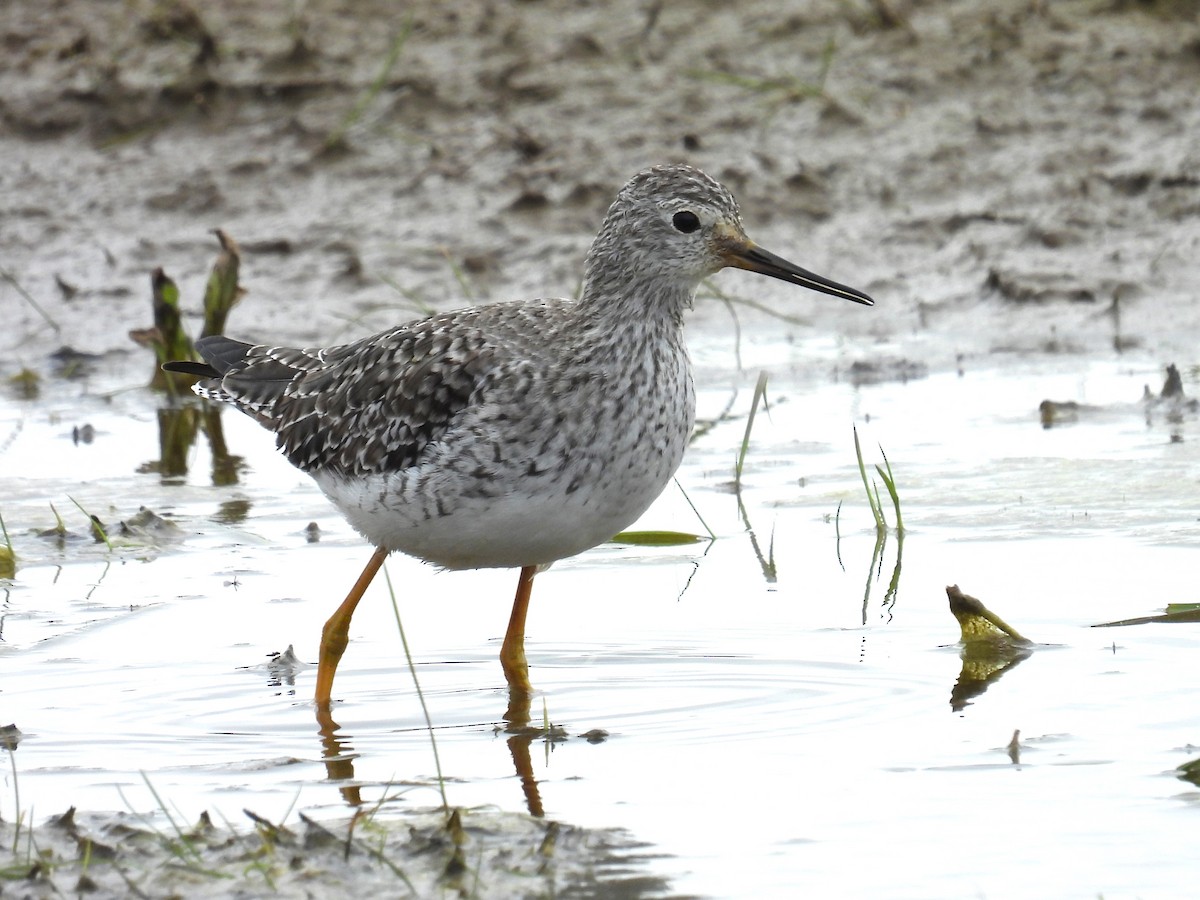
[778,719]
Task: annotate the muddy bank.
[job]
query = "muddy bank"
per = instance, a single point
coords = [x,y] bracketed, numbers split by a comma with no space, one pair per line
[1020,177]
[479,853]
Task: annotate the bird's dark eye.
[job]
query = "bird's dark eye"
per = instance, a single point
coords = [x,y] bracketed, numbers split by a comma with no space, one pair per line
[685,221]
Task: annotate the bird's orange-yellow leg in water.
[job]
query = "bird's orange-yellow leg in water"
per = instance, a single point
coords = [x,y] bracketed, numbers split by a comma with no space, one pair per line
[336,633]
[512,651]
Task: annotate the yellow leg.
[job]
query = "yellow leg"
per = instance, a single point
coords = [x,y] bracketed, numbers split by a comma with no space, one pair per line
[512,651]
[336,633]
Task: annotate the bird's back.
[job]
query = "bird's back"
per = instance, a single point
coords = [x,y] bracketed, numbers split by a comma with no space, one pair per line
[375,404]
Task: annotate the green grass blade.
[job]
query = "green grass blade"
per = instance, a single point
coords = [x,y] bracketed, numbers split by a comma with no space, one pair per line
[872,497]
[1179,608]
[889,482]
[8,557]
[221,292]
[97,529]
[657,538]
[183,841]
[464,284]
[760,394]
[59,527]
[414,299]
[337,138]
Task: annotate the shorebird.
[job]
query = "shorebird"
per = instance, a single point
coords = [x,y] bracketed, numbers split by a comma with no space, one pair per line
[511,434]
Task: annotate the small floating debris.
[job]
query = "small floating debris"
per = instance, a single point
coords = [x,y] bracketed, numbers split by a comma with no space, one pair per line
[887,369]
[25,385]
[147,526]
[1172,390]
[1170,399]
[282,668]
[1189,771]
[990,647]
[1053,412]
[979,624]
[72,364]
[10,736]
[1014,747]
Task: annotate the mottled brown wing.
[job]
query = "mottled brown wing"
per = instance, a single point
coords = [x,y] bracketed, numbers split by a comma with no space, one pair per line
[370,406]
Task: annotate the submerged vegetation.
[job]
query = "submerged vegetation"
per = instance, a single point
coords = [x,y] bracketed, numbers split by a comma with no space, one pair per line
[167,337]
[479,853]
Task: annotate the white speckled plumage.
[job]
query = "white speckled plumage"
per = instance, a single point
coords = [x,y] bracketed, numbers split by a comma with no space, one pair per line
[513,434]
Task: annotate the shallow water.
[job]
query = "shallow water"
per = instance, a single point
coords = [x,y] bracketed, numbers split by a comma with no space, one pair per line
[778,720]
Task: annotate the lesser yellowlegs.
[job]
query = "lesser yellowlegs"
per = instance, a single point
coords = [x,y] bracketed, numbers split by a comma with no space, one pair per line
[512,434]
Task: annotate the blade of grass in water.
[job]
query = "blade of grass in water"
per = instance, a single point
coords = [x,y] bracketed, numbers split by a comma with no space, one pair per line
[712,535]
[97,529]
[437,762]
[663,538]
[8,557]
[889,482]
[657,538]
[837,532]
[872,496]
[16,803]
[28,297]
[760,395]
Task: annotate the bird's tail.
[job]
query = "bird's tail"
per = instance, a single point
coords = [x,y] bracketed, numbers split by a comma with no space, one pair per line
[187,367]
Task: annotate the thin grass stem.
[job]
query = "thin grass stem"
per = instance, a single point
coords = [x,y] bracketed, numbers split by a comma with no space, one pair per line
[837,534]
[97,528]
[186,844]
[712,535]
[338,135]
[437,762]
[17,801]
[28,297]
[460,276]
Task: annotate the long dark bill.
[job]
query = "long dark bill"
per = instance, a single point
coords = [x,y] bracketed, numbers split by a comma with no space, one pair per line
[755,259]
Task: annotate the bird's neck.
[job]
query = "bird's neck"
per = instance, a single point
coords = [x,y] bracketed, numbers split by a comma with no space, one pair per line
[625,278]
[612,296]
[626,322]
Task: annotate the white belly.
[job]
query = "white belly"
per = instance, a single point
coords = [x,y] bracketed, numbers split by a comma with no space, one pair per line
[512,530]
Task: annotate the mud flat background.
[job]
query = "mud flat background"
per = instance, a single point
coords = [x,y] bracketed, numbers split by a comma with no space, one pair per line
[1016,180]
[1010,175]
